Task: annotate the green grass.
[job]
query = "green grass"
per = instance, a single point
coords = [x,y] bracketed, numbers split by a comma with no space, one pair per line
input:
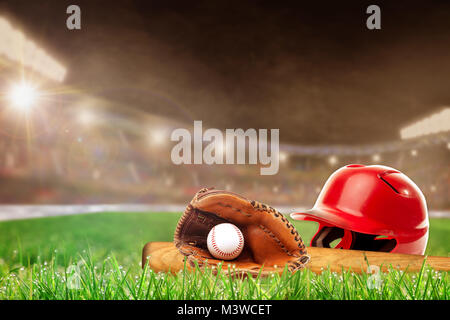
[38,255]
[110,280]
[121,234]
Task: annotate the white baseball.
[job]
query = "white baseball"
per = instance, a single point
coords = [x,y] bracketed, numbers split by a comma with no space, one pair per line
[225,241]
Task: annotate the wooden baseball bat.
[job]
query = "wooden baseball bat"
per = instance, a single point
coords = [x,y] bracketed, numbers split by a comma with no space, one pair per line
[163,256]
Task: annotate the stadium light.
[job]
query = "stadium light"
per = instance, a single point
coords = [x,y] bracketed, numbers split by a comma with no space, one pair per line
[436,123]
[17,48]
[157,136]
[376,157]
[333,160]
[86,117]
[283,156]
[23,96]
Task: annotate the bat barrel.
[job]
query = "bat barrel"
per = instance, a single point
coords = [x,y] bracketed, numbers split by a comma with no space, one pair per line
[359,261]
[163,256]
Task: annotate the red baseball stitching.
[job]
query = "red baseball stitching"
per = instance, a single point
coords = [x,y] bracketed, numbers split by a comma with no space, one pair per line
[214,244]
[239,233]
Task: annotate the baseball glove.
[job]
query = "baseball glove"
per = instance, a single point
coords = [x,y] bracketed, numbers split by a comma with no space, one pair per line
[270,240]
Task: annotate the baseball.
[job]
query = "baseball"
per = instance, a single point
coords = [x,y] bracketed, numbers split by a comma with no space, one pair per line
[225,241]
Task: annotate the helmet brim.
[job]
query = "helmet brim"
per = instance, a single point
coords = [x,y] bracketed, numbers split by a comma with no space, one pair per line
[342,220]
[314,215]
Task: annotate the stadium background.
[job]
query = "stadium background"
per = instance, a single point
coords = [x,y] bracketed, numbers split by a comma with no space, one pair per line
[339,94]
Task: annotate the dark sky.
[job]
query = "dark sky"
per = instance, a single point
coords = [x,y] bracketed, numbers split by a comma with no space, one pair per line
[313,70]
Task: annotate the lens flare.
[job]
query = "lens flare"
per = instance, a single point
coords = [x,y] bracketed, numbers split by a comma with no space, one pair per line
[23,96]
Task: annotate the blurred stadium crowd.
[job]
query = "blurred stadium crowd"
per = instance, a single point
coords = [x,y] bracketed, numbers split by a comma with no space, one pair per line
[86,157]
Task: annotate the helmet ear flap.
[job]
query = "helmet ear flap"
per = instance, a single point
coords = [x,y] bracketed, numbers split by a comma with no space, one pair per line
[347,240]
[327,233]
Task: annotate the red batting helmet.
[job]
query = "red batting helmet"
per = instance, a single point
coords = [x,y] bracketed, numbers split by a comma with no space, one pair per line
[375,208]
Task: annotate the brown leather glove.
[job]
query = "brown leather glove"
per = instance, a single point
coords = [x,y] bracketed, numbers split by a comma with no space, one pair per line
[270,240]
